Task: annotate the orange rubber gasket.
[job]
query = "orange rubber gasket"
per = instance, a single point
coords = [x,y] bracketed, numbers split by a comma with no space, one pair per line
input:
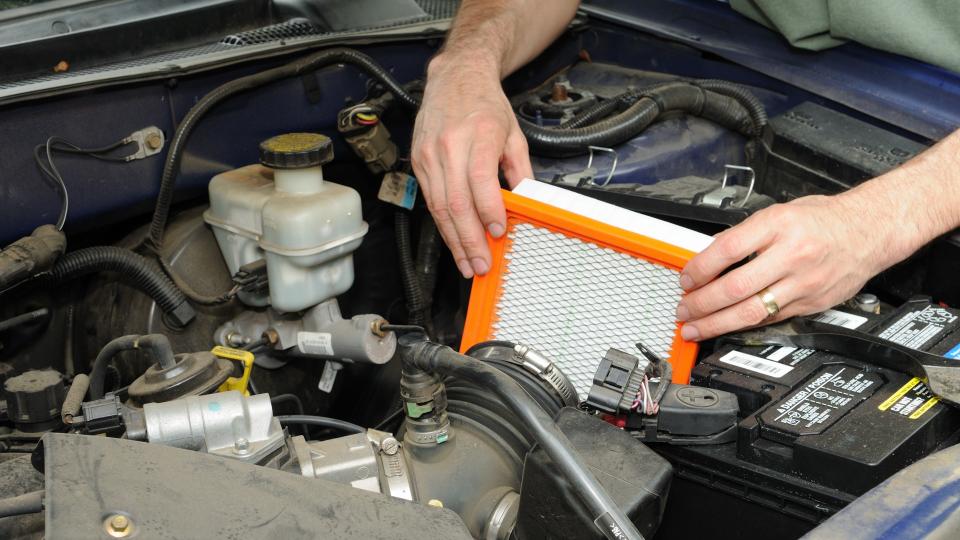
[487,289]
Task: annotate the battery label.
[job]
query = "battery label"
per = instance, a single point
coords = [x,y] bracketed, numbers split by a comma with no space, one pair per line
[911,400]
[841,318]
[755,363]
[793,355]
[831,393]
[954,352]
[918,328]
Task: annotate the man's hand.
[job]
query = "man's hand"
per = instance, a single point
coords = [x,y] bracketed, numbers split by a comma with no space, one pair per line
[811,254]
[465,132]
[816,252]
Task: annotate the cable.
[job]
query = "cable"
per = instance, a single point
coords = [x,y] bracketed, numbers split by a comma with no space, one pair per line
[23,318]
[417,352]
[28,503]
[313,62]
[391,418]
[50,169]
[321,421]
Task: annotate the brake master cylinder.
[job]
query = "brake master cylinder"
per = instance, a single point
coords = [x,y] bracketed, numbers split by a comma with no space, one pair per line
[284,218]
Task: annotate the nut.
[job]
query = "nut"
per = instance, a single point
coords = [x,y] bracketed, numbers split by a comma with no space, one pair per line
[241,446]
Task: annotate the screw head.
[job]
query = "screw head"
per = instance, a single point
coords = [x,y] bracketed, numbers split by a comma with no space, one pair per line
[389,446]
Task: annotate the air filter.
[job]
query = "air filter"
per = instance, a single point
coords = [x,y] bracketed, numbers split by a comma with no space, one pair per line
[572,277]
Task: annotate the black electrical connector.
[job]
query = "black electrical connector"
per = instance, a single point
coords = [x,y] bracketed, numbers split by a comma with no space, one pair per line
[617,381]
[252,277]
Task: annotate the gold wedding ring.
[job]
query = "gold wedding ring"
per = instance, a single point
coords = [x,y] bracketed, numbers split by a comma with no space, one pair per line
[769,302]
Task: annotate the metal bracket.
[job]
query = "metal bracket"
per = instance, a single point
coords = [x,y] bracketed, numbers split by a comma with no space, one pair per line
[716,197]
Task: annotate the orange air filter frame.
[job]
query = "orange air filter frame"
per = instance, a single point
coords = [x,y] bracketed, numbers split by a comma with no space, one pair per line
[488,289]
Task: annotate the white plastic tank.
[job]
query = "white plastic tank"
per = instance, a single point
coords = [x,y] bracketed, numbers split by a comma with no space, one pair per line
[284,211]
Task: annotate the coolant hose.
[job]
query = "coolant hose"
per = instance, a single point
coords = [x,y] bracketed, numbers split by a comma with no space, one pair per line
[157,347]
[417,352]
[313,62]
[408,272]
[133,269]
[28,503]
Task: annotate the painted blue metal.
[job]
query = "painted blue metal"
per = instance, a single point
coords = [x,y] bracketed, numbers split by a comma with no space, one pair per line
[673,148]
[102,192]
[921,501]
[912,95]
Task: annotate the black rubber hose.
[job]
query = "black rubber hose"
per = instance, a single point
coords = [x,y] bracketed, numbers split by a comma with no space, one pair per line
[28,503]
[651,105]
[416,352]
[133,269]
[429,250]
[753,105]
[171,167]
[321,421]
[297,404]
[23,318]
[157,347]
[408,272]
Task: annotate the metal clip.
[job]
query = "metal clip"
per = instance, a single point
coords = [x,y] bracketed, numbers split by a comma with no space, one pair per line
[613,167]
[726,175]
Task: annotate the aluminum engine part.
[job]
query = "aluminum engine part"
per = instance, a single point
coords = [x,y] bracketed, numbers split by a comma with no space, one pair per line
[321,332]
[227,424]
[372,461]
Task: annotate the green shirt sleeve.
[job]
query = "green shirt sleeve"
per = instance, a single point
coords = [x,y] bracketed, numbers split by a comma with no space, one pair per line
[928,30]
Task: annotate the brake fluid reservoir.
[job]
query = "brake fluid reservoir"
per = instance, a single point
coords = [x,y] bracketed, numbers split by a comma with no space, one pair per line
[285,212]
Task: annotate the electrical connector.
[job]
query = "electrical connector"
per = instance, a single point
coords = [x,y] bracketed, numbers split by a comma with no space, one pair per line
[617,381]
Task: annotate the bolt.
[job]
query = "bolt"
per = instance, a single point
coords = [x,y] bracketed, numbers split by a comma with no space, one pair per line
[242,446]
[436,503]
[118,526]
[389,446]
[271,335]
[559,94]
[154,141]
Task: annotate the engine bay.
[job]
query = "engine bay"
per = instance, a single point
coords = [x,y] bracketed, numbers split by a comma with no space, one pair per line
[225,310]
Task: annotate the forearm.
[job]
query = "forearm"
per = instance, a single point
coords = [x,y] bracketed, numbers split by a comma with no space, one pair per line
[917,202]
[496,37]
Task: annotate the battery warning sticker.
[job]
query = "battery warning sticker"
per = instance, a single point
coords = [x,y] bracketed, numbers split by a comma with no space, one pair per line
[832,392]
[793,355]
[911,400]
[920,328]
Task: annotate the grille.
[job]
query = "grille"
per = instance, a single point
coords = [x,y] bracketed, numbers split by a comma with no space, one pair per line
[573,300]
[291,29]
[572,287]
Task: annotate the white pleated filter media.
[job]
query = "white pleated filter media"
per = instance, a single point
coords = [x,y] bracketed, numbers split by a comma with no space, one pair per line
[572,300]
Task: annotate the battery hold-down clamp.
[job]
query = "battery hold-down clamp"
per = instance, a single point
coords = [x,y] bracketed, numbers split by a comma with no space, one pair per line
[638,390]
[942,374]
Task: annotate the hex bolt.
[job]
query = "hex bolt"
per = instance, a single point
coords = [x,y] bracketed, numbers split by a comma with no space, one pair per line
[154,142]
[389,446]
[118,525]
[242,446]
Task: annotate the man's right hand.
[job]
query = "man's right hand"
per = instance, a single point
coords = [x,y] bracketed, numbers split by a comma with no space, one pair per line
[465,133]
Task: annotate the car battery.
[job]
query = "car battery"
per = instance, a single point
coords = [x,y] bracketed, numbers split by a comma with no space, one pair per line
[819,429]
